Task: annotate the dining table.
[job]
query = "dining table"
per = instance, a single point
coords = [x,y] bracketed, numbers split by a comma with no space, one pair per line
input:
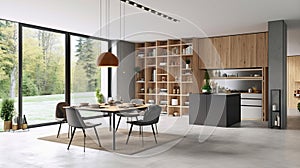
[112,110]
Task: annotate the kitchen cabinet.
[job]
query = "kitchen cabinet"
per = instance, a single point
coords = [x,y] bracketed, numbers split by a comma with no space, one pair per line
[221,110]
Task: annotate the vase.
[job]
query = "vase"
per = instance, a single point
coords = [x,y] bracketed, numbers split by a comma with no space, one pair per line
[187,66]
[7,125]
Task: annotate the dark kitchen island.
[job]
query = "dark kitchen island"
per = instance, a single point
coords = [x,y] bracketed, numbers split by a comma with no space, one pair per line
[221,109]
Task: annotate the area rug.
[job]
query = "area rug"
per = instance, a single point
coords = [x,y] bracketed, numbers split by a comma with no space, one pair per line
[134,145]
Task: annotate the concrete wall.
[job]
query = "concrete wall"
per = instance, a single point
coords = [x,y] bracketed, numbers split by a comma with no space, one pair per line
[278,66]
[124,77]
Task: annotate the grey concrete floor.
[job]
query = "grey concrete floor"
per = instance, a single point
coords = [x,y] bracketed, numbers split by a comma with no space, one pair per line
[239,146]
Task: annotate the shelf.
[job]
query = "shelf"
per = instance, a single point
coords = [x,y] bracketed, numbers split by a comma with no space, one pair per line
[150,94]
[185,95]
[187,55]
[186,82]
[161,74]
[162,82]
[187,74]
[162,56]
[174,106]
[174,95]
[150,57]
[141,93]
[150,65]
[140,81]
[174,55]
[174,82]
[236,78]
[174,66]
[185,106]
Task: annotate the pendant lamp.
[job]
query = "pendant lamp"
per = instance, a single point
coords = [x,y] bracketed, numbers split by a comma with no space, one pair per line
[106,59]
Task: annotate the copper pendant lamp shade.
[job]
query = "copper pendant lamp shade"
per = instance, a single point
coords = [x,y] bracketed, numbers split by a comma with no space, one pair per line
[107,59]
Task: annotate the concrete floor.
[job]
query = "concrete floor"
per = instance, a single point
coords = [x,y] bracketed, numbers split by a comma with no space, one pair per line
[240,146]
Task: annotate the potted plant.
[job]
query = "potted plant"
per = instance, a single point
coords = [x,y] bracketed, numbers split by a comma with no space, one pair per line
[187,63]
[99,96]
[206,88]
[7,113]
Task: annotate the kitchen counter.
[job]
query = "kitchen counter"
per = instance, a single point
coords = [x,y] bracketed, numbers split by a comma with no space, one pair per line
[221,109]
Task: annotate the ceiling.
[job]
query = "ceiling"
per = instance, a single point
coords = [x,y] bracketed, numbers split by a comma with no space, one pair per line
[198,18]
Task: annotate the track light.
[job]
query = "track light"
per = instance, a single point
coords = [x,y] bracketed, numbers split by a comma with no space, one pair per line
[149,10]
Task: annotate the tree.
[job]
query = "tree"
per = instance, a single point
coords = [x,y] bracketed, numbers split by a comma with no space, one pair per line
[85,52]
[8,58]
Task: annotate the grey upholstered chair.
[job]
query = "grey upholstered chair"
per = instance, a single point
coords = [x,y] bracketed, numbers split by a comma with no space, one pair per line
[151,117]
[76,121]
[132,113]
[60,115]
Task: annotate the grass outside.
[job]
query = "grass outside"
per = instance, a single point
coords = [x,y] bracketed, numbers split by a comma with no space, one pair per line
[41,109]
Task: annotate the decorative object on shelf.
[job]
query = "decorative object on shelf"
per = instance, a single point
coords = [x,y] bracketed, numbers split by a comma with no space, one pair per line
[174,102]
[187,63]
[137,70]
[14,122]
[274,107]
[175,114]
[7,113]
[275,111]
[298,106]
[99,96]
[24,124]
[206,88]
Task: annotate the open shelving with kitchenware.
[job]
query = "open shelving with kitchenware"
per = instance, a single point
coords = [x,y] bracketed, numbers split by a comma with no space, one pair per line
[245,81]
[169,70]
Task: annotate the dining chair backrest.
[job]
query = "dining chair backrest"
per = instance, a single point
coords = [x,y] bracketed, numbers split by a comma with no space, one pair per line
[74,118]
[152,114]
[137,101]
[60,111]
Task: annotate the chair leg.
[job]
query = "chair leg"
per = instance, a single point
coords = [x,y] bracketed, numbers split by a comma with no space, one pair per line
[129,133]
[156,128]
[58,130]
[109,121]
[140,130]
[142,136]
[97,136]
[72,135]
[69,130]
[118,123]
[154,133]
[84,136]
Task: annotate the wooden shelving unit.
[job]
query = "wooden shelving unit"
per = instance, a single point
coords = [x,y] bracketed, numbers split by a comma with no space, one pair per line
[165,75]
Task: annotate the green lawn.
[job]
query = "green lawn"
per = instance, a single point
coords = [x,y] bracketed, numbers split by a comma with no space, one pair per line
[41,109]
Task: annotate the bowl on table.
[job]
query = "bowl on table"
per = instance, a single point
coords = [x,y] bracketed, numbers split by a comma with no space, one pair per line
[94,105]
[83,104]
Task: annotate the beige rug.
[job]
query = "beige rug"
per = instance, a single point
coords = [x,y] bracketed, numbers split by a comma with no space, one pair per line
[134,145]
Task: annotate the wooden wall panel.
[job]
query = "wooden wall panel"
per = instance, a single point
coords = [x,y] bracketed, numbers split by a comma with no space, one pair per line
[262,49]
[293,80]
[221,51]
[235,60]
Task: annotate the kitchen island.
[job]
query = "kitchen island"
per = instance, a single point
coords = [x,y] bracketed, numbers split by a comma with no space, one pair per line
[221,109]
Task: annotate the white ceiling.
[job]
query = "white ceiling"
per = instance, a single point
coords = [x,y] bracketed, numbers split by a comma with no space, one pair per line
[198,18]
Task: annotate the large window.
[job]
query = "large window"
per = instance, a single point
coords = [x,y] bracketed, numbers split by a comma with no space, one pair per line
[43,72]
[43,65]
[85,75]
[8,63]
